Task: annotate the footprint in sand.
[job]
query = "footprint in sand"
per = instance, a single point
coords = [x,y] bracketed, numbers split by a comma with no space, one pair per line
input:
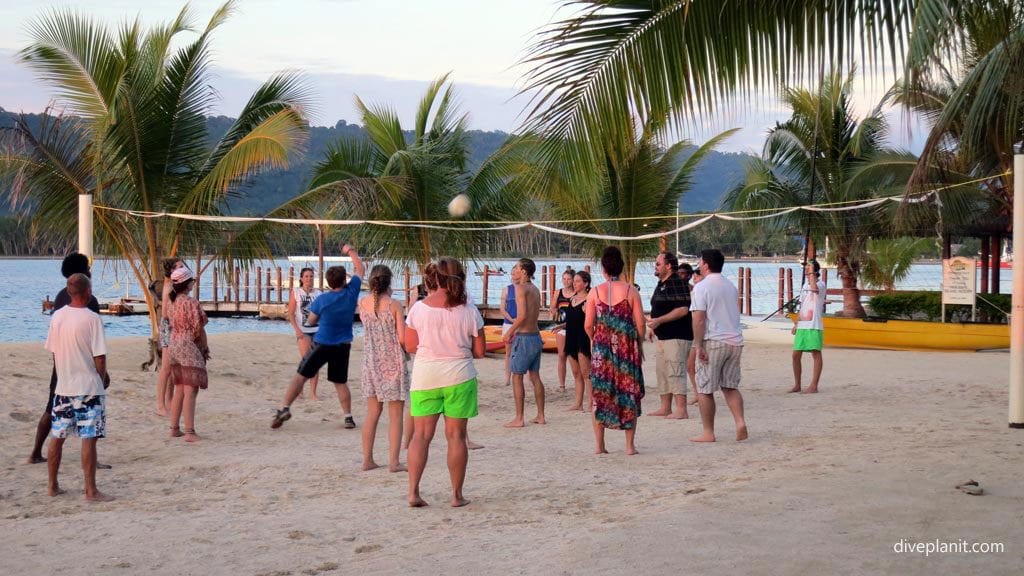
[21,416]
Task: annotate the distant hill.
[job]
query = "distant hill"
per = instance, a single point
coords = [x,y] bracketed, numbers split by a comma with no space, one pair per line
[716,174]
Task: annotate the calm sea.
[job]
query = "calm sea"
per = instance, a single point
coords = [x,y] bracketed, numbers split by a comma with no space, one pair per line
[28,282]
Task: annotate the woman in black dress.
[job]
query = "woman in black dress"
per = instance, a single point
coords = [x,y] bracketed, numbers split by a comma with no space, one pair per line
[559,302]
[577,343]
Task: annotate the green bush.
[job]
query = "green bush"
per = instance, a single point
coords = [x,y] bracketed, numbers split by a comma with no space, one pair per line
[928,306]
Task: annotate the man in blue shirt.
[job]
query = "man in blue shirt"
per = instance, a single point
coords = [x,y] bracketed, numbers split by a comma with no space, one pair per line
[334,312]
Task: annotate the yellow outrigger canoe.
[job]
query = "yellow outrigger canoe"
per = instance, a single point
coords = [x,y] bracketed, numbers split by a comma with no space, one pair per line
[914,335]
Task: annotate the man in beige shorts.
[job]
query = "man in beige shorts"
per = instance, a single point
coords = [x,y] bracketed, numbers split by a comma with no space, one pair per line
[671,327]
[718,340]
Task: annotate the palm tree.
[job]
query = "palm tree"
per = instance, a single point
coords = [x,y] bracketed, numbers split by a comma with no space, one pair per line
[395,175]
[888,260]
[636,186]
[850,163]
[611,59]
[137,139]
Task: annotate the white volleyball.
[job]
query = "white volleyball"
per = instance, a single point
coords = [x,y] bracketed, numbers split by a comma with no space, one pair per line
[459,206]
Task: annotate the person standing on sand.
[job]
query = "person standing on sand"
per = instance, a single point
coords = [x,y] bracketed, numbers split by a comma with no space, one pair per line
[691,359]
[615,324]
[523,336]
[79,350]
[187,354]
[73,263]
[560,299]
[809,329]
[165,393]
[508,317]
[334,311]
[577,343]
[385,378]
[718,340]
[672,330]
[299,299]
[445,332]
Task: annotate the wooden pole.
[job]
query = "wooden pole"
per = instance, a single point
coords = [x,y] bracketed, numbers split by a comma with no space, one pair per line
[247,283]
[487,275]
[216,301]
[739,289]
[544,286]
[789,284]
[320,253]
[750,285]
[280,287]
[985,258]
[199,272]
[996,251]
[291,279]
[238,293]
[553,281]
[268,287]
[782,287]
[259,283]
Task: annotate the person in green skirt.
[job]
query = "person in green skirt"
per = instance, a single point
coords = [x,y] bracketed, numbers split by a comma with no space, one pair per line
[809,329]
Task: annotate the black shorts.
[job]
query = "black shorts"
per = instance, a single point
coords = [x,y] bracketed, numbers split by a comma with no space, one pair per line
[334,355]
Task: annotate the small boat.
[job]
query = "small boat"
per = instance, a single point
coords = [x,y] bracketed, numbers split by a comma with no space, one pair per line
[494,343]
[881,334]
[498,272]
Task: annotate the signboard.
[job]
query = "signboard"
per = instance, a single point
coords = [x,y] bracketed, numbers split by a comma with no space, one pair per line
[958,280]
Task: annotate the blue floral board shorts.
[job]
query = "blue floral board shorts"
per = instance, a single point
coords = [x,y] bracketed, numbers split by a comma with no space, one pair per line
[82,416]
[526,350]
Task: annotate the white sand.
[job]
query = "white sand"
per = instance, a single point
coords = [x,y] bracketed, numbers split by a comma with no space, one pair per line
[826,484]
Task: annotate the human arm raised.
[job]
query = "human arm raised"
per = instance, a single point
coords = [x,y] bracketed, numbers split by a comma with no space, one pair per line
[358,269]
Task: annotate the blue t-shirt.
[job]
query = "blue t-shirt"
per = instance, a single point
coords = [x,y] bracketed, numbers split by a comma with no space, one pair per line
[336,310]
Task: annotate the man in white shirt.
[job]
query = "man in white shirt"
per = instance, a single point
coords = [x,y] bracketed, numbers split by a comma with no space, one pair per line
[718,340]
[79,350]
[809,330]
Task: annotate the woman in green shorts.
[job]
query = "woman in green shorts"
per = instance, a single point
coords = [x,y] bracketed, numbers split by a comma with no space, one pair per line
[445,332]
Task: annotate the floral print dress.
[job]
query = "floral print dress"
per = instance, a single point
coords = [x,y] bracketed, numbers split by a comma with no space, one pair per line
[384,370]
[188,366]
[616,374]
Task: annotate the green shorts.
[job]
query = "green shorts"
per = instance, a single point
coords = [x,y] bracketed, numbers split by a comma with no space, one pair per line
[458,401]
[808,340]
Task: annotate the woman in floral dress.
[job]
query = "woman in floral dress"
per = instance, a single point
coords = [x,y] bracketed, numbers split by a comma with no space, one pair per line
[189,353]
[385,378]
[615,324]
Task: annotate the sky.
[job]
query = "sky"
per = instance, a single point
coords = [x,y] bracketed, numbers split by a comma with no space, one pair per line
[384,51]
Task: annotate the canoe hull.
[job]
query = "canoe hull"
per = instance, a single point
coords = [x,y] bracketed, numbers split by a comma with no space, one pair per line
[914,335]
[494,343]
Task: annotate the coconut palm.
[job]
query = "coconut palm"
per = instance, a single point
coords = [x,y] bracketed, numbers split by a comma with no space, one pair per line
[395,175]
[636,186]
[888,260]
[137,139]
[850,164]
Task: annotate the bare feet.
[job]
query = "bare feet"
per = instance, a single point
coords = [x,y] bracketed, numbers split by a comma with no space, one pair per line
[601,451]
[54,490]
[192,437]
[741,433]
[811,390]
[793,389]
[539,420]
[576,408]
[473,445]
[692,402]
[98,497]
[176,433]
[703,438]
[459,502]
[677,416]
[515,424]
[33,459]
[631,451]
[659,412]
[397,468]
[417,502]
[370,466]
[161,412]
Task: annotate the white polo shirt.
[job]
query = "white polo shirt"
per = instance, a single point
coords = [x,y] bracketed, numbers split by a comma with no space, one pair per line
[718,299]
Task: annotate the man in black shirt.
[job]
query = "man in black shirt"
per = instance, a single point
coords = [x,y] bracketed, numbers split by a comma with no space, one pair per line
[672,327]
[74,263]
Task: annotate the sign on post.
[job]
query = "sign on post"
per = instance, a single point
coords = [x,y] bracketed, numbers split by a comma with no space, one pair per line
[959,277]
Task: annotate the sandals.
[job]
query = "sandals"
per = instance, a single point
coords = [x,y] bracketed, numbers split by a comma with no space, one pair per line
[280,417]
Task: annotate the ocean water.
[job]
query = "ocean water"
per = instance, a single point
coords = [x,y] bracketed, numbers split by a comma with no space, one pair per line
[28,282]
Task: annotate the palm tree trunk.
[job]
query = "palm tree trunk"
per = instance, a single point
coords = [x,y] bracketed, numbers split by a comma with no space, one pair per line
[852,307]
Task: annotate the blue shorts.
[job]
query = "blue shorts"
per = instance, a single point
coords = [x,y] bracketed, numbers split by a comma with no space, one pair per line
[82,416]
[526,351]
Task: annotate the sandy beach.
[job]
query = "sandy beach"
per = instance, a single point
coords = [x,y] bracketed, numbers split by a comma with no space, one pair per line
[827,483]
